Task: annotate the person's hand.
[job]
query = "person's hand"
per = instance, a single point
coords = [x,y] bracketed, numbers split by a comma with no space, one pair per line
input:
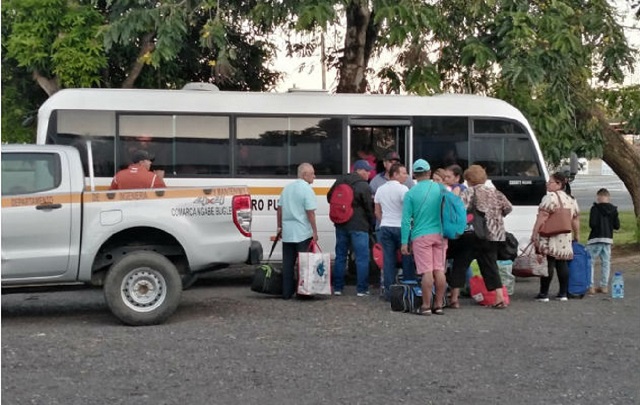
[404,249]
[315,236]
[159,173]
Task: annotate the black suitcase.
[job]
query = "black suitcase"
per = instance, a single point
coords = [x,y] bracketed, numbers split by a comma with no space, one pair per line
[266,278]
[405,296]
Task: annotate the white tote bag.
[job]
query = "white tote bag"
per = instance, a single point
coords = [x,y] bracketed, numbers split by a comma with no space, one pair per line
[314,272]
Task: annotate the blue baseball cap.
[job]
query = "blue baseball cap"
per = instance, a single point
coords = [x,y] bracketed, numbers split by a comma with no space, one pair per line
[362,165]
[421,166]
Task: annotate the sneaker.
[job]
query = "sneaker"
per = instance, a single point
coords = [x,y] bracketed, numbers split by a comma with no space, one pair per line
[337,293]
[591,291]
[561,298]
[363,294]
[541,298]
[604,290]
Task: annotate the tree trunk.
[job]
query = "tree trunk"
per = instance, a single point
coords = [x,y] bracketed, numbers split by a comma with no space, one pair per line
[50,86]
[625,163]
[147,46]
[358,43]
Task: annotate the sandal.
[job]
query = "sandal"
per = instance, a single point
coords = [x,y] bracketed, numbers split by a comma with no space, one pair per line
[423,311]
[454,305]
[438,311]
[499,305]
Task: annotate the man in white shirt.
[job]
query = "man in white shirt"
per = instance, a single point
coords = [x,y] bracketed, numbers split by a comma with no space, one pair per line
[388,210]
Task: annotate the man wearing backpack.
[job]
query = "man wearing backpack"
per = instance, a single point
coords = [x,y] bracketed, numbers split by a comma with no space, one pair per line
[351,210]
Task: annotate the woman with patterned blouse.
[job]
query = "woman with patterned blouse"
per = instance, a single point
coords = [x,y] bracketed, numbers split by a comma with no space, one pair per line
[495,207]
[557,247]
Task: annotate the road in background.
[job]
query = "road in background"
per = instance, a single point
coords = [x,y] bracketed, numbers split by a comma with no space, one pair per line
[585,186]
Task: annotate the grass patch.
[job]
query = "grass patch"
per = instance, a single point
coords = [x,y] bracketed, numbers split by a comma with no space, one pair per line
[623,239]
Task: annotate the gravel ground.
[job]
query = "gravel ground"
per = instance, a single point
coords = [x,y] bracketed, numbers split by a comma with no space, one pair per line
[228,345]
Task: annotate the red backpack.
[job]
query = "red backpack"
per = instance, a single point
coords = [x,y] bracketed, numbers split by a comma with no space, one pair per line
[341,204]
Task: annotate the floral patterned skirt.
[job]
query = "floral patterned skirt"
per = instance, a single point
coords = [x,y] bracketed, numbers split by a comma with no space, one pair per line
[557,246]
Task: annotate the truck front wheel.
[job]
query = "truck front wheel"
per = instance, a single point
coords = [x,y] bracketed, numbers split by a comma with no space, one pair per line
[143,288]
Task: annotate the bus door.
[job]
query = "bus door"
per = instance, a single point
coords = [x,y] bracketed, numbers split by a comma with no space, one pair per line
[372,139]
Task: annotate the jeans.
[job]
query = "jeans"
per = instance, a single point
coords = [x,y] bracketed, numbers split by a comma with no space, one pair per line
[602,250]
[391,242]
[290,252]
[360,243]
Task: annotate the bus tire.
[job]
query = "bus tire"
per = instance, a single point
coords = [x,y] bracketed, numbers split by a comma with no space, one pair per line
[143,288]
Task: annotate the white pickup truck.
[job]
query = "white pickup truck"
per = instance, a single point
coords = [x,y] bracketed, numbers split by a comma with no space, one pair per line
[139,245]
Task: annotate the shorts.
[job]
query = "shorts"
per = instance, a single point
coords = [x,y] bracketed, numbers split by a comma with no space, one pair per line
[429,253]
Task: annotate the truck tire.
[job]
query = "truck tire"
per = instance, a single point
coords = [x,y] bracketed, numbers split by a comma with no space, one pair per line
[143,288]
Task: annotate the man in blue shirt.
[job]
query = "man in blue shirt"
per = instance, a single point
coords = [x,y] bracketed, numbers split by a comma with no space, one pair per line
[297,223]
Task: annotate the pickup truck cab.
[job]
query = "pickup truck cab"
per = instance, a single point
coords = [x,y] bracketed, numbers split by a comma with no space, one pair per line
[139,245]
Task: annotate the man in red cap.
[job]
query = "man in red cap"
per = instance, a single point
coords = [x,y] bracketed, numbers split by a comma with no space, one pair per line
[138,174]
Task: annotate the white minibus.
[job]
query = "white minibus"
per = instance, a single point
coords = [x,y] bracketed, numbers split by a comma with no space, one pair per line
[202,138]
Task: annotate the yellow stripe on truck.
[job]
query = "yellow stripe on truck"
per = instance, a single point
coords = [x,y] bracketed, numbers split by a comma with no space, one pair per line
[40,199]
[164,193]
[122,195]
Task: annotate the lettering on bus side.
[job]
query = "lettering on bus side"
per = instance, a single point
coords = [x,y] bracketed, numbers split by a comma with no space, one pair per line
[520,182]
[264,204]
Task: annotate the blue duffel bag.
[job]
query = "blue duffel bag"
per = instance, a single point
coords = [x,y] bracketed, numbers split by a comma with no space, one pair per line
[579,271]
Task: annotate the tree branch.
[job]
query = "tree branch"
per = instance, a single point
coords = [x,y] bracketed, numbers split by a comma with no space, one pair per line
[50,86]
[147,46]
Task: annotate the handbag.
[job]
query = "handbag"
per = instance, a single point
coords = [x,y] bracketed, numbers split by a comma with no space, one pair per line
[558,221]
[478,222]
[530,263]
[314,272]
[508,250]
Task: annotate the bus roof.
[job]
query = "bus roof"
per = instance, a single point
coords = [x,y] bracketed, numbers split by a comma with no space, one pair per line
[297,103]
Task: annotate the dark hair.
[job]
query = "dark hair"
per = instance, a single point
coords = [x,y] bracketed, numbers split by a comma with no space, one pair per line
[456,170]
[439,172]
[395,168]
[603,192]
[563,180]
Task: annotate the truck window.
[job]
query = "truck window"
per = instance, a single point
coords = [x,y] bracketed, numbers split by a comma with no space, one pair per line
[27,173]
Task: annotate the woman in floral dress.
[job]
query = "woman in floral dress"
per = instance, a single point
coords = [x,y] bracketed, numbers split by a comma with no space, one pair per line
[558,247]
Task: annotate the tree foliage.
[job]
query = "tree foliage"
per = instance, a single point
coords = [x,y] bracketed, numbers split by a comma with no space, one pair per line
[52,44]
[543,56]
